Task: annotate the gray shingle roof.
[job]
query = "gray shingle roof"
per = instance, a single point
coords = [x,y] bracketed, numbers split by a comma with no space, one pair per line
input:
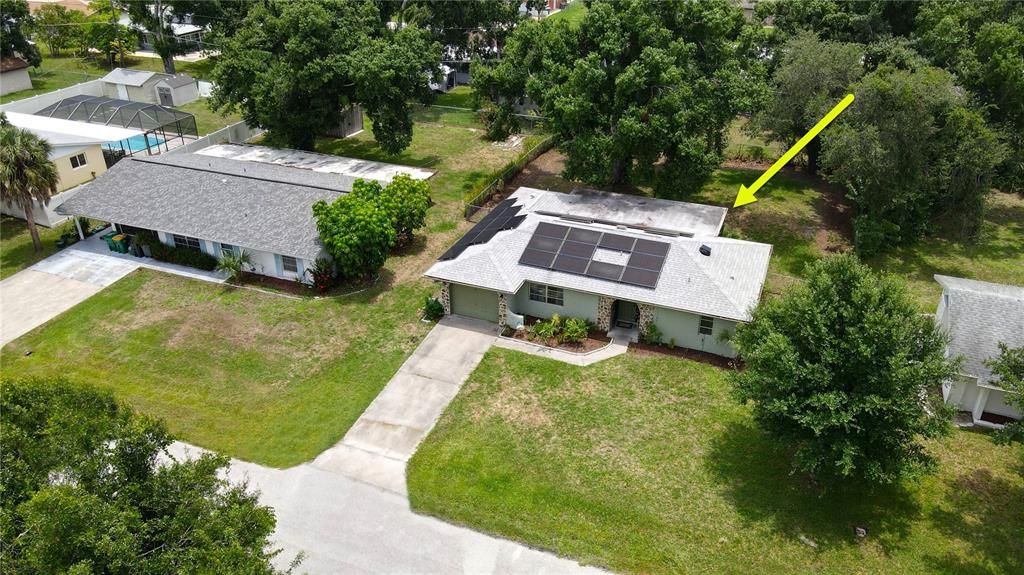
[977,316]
[175,194]
[727,284]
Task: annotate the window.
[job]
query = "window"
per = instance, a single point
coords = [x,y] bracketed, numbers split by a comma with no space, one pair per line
[707,325]
[77,161]
[290,264]
[547,294]
[227,250]
[187,243]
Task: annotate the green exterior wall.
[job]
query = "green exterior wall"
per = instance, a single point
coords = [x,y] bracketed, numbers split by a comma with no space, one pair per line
[576,304]
[474,302]
[682,327]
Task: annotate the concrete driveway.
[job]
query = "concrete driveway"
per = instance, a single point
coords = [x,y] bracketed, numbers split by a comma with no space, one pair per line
[378,445]
[345,526]
[36,295]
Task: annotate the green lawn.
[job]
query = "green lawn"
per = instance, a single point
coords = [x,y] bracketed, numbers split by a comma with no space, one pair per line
[56,73]
[796,214]
[458,97]
[573,13]
[206,119]
[16,251]
[256,376]
[645,465]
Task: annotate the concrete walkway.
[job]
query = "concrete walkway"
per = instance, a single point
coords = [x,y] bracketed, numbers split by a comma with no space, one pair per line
[616,347]
[345,526]
[34,296]
[378,445]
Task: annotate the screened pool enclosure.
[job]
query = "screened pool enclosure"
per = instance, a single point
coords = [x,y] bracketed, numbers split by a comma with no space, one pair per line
[162,127]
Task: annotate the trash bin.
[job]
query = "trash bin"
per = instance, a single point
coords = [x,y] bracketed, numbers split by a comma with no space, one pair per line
[110,241]
[120,242]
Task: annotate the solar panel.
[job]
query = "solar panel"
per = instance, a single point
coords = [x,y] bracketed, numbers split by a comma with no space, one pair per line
[536,258]
[550,230]
[572,250]
[584,236]
[577,249]
[605,271]
[617,242]
[543,243]
[637,276]
[651,247]
[504,216]
[645,261]
[564,263]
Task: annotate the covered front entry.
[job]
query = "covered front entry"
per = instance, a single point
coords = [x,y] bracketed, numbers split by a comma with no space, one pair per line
[625,314]
[474,302]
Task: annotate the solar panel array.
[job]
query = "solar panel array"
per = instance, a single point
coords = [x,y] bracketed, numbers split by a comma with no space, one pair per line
[569,249]
[504,216]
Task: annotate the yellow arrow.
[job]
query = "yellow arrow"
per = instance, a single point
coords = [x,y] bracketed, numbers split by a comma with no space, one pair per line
[746,195]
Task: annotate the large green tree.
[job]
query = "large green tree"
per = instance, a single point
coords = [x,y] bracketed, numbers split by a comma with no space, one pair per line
[404,199]
[86,487]
[58,28]
[812,76]
[864,21]
[640,91]
[27,176]
[14,21]
[983,44]
[846,371]
[293,67]
[911,147]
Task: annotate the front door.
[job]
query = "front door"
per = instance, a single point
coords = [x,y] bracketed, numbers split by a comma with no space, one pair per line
[165,96]
[627,314]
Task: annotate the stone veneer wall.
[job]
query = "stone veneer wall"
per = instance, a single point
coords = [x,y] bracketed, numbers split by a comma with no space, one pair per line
[604,313]
[446,297]
[646,316]
[502,309]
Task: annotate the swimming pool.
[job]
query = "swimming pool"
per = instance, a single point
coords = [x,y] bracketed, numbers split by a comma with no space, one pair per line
[135,143]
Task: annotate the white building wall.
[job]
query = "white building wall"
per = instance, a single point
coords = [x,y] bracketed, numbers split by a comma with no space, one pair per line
[683,328]
[263,262]
[577,304]
[15,81]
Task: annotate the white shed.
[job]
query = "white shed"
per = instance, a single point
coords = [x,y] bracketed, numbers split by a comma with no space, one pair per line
[177,90]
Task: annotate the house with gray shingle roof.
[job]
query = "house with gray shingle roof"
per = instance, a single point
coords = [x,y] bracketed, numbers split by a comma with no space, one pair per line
[218,206]
[622,262]
[977,316]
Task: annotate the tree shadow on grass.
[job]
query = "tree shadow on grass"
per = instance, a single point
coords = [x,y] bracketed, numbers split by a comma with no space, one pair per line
[986,512]
[754,471]
[368,149]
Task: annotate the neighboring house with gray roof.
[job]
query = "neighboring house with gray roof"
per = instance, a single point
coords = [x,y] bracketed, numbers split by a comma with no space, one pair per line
[619,261]
[217,206]
[977,316]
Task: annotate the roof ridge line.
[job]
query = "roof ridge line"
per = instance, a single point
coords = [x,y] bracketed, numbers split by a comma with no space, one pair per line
[714,280]
[246,176]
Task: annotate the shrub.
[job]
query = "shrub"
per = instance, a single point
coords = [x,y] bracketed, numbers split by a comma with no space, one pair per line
[544,330]
[234,265]
[322,273]
[575,330]
[404,199]
[357,232]
[185,257]
[653,335]
[433,309]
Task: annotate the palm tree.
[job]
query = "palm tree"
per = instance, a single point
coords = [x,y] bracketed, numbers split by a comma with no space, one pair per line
[27,175]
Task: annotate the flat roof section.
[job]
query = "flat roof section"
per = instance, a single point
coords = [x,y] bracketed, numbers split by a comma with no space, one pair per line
[649,214]
[69,132]
[360,169]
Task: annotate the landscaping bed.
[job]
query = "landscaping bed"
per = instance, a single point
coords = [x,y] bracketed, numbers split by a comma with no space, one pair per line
[652,350]
[644,463]
[595,340]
